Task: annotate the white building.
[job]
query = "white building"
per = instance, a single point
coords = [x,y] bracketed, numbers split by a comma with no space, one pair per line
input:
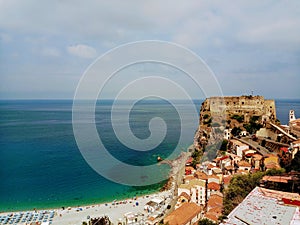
[196,189]
[227,134]
[238,147]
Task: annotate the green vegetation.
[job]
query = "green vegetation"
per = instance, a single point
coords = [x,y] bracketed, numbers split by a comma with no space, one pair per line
[241,185]
[254,125]
[196,155]
[239,118]
[206,222]
[295,164]
[236,131]
[205,116]
[207,122]
[224,145]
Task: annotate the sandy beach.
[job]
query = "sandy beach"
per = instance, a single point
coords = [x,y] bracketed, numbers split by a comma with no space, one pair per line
[115,210]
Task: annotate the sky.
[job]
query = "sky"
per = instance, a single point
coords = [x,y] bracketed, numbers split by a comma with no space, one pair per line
[46,46]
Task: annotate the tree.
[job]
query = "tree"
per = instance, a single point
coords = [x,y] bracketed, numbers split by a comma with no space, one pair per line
[224,145]
[236,131]
[239,118]
[295,164]
[240,186]
[206,222]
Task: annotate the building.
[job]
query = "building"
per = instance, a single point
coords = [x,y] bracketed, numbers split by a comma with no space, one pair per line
[153,204]
[247,105]
[265,206]
[237,147]
[187,214]
[294,124]
[214,207]
[227,134]
[257,161]
[271,162]
[213,188]
[244,166]
[295,146]
[189,170]
[196,189]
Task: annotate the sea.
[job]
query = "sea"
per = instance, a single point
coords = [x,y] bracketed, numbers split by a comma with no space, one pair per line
[42,166]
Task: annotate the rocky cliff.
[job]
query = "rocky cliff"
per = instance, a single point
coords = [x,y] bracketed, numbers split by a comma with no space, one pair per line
[231,113]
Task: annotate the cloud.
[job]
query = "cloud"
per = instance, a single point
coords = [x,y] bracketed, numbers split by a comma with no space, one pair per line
[50,51]
[246,39]
[83,51]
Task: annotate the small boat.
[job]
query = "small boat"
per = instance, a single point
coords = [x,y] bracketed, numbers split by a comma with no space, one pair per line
[159,159]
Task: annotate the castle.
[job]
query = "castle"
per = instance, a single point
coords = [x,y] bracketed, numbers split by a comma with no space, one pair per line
[241,105]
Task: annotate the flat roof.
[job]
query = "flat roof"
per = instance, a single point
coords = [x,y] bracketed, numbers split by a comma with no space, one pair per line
[259,208]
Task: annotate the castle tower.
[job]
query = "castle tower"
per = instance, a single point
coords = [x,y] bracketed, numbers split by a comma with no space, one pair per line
[292,115]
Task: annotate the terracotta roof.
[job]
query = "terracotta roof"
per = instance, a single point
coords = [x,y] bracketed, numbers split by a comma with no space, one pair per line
[215,200]
[272,165]
[201,175]
[210,166]
[213,186]
[243,163]
[217,210]
[189,168]
[213,176]
[190,160]
[224,157]
[185,195]
[279,194]
[296,142]
[211,216]
[184,214]
[229,167]
[257,157]
[226,179]
[189,177]
[279,179]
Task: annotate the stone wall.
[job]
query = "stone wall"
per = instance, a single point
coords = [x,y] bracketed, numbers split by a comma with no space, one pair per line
[241,105]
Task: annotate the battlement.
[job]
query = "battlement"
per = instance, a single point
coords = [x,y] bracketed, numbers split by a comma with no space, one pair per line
[241,105]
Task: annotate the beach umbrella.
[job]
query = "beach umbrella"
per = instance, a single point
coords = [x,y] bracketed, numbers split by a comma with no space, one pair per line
[136,203]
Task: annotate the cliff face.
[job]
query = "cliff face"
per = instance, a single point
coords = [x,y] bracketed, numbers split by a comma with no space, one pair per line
[220,113]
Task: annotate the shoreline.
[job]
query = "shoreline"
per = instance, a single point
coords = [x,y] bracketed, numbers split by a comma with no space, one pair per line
[173,171]
[115,209]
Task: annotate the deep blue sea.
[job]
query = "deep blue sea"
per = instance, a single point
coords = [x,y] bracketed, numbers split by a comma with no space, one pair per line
[42,167]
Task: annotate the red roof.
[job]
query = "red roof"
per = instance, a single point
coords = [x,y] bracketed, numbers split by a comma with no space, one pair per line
[201,175]
[226,179]
[284,149]
[190,160]
[224,157]
[291,201]
[213,186]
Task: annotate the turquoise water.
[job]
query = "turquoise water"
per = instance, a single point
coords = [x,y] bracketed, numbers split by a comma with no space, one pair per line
[41,166]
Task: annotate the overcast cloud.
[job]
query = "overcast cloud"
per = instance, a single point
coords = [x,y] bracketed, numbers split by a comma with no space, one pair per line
[46,46]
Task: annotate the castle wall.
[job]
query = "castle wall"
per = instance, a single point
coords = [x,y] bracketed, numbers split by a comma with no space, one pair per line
[246,105]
